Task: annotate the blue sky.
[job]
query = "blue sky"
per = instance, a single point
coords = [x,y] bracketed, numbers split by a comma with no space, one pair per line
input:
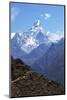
[24,15]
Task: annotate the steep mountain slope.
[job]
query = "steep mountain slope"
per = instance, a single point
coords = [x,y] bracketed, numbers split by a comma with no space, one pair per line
[52,62]
[15,49]
[36,54]
[29,83]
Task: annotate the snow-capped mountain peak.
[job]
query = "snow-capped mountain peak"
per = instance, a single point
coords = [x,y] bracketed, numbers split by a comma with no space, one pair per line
[37,23]
[12,35]
[37,27]
[54,37]
[20,34]
[32,38]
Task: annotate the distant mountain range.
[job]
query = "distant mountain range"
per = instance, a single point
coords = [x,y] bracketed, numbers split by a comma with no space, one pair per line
[36,49]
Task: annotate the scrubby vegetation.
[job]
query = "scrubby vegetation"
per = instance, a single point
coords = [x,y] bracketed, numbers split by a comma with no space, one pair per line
[25,82]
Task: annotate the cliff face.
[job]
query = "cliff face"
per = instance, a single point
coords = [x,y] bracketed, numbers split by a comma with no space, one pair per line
[25,82]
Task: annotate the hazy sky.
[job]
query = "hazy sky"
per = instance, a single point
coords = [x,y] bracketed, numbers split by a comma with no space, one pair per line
[24,15]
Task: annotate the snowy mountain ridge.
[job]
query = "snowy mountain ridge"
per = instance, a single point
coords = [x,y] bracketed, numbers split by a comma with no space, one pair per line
[27,41]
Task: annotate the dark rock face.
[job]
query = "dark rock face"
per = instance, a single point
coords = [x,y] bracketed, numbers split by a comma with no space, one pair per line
[18,68]
[25,82]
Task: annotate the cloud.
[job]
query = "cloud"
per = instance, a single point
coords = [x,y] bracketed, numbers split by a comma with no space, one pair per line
[46,16]
[14,13]
[54,37]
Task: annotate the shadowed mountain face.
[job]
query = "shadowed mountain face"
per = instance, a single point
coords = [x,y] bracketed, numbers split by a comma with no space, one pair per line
[15,49]
[52,62]
[32,56]
[25,82]
[36,54]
